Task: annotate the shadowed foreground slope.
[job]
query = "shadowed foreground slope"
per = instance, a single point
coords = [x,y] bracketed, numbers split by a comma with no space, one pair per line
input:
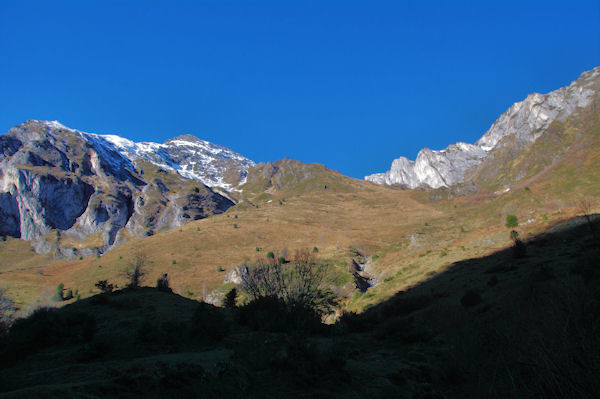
[510,325]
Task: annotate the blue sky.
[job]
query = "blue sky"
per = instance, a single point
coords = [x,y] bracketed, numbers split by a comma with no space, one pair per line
[350,84]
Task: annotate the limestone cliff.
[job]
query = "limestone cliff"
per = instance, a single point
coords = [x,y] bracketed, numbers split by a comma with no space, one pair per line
[523,123]
[59,186]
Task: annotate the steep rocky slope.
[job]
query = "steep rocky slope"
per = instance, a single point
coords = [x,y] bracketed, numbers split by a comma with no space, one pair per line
[520,126]
[187,155]
[84,187]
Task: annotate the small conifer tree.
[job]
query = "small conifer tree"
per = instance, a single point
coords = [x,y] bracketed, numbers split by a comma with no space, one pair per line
[511,221]
[68,295]
[58,296]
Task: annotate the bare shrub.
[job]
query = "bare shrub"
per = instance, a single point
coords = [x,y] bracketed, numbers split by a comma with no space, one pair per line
[585,206]
[136,270]
[297,283]
[104,286]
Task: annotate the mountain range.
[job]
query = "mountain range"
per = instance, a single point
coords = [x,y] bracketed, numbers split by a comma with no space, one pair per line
[91,186]
[78,194]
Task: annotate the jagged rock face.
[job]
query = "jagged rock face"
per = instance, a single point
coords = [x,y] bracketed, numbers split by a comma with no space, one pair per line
[526,121]
[432,168]
[57,179]
[213,165]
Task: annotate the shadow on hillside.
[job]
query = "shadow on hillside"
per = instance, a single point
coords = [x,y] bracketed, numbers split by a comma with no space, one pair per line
[501,326]
[511,324]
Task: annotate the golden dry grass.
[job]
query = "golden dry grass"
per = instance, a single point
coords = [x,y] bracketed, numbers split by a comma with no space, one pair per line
[409,237]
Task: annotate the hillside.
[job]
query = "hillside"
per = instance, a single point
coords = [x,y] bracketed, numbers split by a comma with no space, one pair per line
[286,205]
[503,325]
[407,236]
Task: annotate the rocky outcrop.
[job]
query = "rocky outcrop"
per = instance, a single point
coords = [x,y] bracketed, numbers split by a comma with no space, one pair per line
[432,168]
[525,122]
[196,159]
[9,215]
[73,185]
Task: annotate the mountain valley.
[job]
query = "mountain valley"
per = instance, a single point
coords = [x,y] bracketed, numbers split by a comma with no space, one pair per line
[501,234]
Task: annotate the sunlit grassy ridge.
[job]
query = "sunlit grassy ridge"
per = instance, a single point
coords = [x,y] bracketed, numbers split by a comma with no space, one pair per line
[408,236]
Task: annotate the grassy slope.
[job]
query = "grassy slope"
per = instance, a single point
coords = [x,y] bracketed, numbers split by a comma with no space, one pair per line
[411,235]
[531,331]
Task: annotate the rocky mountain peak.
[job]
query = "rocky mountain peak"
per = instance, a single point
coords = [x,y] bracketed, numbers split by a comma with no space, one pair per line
[187,137]
[526,121]
[54,178]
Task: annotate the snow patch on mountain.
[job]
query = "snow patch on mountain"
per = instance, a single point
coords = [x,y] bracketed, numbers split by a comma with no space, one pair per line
[187,155]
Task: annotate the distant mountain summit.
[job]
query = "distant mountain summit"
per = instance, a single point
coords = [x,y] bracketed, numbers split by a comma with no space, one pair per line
[187,155]
[85,186]
[522,124]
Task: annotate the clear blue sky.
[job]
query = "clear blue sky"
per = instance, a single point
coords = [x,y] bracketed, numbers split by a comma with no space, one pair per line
[350,84]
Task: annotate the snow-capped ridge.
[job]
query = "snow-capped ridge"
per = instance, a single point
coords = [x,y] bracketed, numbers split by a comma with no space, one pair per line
[191,157]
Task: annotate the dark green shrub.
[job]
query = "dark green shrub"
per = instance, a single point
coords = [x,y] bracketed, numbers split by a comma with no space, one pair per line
[511,221]
[220,269]
[270,255]
[58,295]
[315,250]
[281,260]
[68,295]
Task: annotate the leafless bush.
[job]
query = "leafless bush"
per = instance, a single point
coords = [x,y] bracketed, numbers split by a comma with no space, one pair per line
[297,284]
[136,270]
[104,286]
[585,206]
